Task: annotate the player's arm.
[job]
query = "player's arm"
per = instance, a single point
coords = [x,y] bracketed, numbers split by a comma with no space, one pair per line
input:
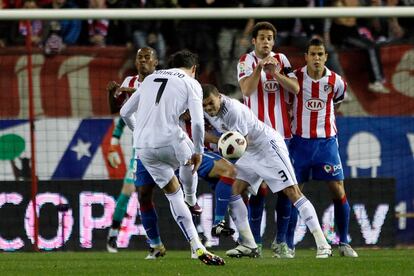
[248,85]
[211,138]
[128,110]
[195,106]
[285,77]
[289,83]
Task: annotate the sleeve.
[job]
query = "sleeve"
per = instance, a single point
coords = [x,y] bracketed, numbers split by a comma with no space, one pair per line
[128,110]
[195,105]
[287,68]
[340,90]
[237,118]
[244,67]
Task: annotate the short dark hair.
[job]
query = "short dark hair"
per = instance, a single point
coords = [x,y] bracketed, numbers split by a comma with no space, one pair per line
[152,50]
[183,59]
[315,42]
[208,90]
[263,25]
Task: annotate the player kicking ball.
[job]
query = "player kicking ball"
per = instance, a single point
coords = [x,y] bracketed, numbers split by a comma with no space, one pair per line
[266,158]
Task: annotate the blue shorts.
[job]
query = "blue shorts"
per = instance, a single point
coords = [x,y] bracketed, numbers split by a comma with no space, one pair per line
[142,176]
[318,158]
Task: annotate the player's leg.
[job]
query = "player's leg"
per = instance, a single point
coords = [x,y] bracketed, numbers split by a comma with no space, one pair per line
[182,216]
[145,185]
[283,210]
[189,183]
[215,167]
[285,180]
[128,189]
[238,212]
[256,205]
[329,169]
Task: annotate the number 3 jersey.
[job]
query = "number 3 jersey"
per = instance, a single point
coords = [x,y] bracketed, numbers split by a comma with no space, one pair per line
[313,106]
[153,111]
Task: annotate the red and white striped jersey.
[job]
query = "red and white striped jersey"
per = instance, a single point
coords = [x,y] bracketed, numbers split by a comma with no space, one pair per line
[131,81]
[313,106]
[268,102]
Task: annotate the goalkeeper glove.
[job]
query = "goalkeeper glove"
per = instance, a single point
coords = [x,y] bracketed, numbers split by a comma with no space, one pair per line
[113,156]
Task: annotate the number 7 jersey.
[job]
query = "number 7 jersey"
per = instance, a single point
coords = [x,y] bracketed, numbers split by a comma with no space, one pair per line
[153,111]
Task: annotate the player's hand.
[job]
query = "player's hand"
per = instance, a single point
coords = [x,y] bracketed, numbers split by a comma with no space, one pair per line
[113,156]
[112,86]
[196,161]
[127,90]
[186,117]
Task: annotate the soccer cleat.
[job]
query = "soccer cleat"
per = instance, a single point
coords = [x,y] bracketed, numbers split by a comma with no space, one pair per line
[345,250]
[111,244]
[260,249]
[209,258]
[156,252]
[281,251]
[292,252]
[221,229]
[324,252]
[243,251]
[195,210]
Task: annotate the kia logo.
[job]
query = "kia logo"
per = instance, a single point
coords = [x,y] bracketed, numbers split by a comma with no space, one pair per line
[314,104]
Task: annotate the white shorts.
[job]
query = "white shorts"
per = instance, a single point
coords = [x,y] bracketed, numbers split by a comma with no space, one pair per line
[270,163]
[162,162]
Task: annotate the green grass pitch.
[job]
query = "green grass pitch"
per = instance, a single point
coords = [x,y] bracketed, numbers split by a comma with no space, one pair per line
[371,262]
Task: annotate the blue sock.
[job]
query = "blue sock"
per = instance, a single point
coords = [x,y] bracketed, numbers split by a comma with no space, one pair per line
[256,206]
[149,220]
[222,196]
[283,208]
[290,234]
[341,212]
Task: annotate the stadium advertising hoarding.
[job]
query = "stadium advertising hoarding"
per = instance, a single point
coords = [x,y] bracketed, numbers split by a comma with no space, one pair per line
[75,215]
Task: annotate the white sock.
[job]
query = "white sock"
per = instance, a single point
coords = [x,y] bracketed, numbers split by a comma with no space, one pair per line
[190,183]
[308,214]
[182,216]
[238,212]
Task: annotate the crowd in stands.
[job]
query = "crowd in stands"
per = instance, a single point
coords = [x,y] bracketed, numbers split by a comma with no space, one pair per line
[225,40]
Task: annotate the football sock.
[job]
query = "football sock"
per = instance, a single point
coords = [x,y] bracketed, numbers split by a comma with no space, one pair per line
[189,183]
[256,207]
[238,212]
[222,198]
[283,209]
[308,214]
[182,216]
[290,234]
[149,220]
[341,217]
[120,209]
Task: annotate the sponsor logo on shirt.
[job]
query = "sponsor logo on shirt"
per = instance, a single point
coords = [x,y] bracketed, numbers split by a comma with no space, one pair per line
[271,86]
[315,104]
[327,88]
[333,169]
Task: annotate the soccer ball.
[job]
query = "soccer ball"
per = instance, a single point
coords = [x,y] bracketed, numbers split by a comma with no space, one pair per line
[232,145]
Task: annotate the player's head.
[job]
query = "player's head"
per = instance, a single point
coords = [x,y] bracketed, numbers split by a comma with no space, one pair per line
[263,38]
[184,59]
[211,99]
[316,55]
[146,61]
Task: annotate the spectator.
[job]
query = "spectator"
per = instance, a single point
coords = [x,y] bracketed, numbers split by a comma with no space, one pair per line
[401,28]
[98,28]
[69,30]
[36,27]
[348,32]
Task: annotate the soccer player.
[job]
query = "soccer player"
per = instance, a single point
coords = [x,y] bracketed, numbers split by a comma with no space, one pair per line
[160,142]
[265,93]
[314,146]
[266,158]
[145,62]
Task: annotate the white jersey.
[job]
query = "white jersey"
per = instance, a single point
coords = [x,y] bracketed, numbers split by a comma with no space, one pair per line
[153,111]
[313,106]
[269,100]
[235,116]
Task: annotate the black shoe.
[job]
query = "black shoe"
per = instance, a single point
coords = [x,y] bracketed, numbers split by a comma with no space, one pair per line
[111,245]
[221,229]
[195,210]
[209,258]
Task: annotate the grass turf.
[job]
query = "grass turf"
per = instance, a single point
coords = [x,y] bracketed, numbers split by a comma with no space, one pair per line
[370,262]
